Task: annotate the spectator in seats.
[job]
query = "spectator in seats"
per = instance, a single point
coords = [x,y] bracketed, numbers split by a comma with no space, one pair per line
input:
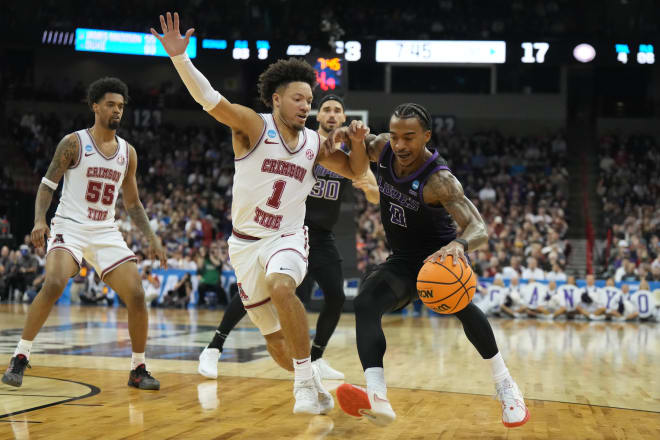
[487,193]
[655,271]
[514,270]
[628,272]
[556,274]
[97,293]
[4,270]
[532,271]
[151,286]
[209,271]
[28,267]
[80,283]
[493,268]
[179,295]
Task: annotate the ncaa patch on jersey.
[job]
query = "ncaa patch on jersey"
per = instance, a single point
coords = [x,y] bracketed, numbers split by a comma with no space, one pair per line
[271,133]
[88,148]
[415,185]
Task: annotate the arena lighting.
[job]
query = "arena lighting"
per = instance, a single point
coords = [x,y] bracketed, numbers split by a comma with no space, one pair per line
[214,44]
[130,43]
[584,52]
[440,51]
[62,38]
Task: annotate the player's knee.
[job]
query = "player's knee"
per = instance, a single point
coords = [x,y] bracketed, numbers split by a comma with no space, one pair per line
[362,304]
[54,285]
[136,296]
[280,286]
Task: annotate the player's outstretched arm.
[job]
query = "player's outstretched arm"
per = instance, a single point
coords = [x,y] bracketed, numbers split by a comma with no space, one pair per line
[444,189]
[66,154]
[236,116]
[353,165]
[135,210]
[367,184]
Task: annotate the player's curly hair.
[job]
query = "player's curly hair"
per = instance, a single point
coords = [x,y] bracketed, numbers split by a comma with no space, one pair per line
[100,87]
[412,110]
[282,73]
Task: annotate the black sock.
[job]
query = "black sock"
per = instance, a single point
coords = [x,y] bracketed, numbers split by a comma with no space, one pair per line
[317,351]
[218,340]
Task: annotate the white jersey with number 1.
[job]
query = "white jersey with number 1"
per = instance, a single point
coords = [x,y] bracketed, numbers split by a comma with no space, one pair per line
[92,184]
[272,182]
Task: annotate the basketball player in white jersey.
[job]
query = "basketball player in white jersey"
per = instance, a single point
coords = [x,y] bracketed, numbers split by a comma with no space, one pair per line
[96,164]
[274,160]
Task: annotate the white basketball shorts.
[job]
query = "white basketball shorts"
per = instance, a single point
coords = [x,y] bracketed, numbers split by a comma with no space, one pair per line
[104,247]
[253,260]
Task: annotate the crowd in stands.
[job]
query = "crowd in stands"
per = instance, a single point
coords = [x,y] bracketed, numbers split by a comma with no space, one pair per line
[629,190]
[439,19]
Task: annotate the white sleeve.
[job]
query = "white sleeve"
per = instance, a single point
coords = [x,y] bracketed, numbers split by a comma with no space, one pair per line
[199,87]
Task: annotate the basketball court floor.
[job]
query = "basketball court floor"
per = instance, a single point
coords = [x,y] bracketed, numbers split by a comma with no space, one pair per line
[581,380]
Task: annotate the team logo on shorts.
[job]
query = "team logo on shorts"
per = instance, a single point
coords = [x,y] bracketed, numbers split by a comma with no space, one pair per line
[242,293]
[271,133]
[121,160]
[58,239]
[310,154]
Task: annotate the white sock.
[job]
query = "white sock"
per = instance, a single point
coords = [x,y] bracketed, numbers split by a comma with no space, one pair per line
[137,359]
[498,368]
[302,369]
[23,348]
[375,377]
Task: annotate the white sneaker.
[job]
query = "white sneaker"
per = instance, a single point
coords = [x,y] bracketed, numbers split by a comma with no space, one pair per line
[326,371]
[358,402]
[208,363]
[514,410]
[307,397]
[544,317]
[597,317]
[326,402]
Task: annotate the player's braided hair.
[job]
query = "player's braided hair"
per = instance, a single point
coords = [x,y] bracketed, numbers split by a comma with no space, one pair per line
[412,110]
[282,73]
[100,87]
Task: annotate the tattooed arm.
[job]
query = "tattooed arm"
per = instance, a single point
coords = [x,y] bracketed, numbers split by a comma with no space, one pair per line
[444,189]
[136,211]
[66,154]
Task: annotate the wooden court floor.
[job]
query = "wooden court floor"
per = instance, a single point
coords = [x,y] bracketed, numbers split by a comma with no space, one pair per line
[581,381]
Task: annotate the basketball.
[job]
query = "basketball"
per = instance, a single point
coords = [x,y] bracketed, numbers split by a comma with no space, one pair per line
[446,288]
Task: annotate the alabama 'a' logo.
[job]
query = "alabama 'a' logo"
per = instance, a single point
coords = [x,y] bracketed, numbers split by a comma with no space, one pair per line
[242,293]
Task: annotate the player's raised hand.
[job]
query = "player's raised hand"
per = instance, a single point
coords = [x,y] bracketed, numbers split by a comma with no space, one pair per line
[37,235]
[357,131]
[172,40]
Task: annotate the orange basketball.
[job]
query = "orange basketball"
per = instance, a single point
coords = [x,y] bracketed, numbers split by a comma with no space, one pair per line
[446,288]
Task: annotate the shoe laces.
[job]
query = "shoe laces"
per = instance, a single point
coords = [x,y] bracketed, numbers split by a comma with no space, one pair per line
[506,390]
[19,364]
[141,370]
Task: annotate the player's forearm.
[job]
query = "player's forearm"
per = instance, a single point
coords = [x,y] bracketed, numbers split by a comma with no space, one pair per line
[198,86]
[372,194]
[42,203]
[141,221]
[476,235]
[358,159]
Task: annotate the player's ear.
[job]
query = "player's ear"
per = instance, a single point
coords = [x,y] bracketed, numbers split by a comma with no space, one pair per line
[276,100]
[427,136]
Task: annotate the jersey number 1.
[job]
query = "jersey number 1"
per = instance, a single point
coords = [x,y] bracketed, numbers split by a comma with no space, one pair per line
[278,188]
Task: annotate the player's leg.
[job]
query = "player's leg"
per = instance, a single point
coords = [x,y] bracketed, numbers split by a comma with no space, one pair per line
[330,278]
[60,266]
[125,280]
[479,332]
[208,359]
[382,291]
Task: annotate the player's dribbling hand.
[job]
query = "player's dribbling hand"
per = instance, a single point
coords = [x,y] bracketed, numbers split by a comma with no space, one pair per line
[172,41]
[37,235]
[357,131]
[454,249]
[157,251]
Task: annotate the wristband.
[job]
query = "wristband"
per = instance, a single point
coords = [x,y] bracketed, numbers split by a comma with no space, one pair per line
[463,242]
[49,183]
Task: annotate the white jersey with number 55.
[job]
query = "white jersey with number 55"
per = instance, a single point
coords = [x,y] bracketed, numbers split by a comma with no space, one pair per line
[91,185]
[272,182]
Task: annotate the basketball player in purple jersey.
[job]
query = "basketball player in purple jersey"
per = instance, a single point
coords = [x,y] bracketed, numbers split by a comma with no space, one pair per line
[419,202]
[95,164]
[275,156]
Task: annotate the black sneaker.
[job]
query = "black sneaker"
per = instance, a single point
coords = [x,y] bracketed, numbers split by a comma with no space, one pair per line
[14,374]
[141,378]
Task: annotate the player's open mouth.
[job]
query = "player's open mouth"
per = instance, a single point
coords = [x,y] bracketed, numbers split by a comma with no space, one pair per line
[302,118]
